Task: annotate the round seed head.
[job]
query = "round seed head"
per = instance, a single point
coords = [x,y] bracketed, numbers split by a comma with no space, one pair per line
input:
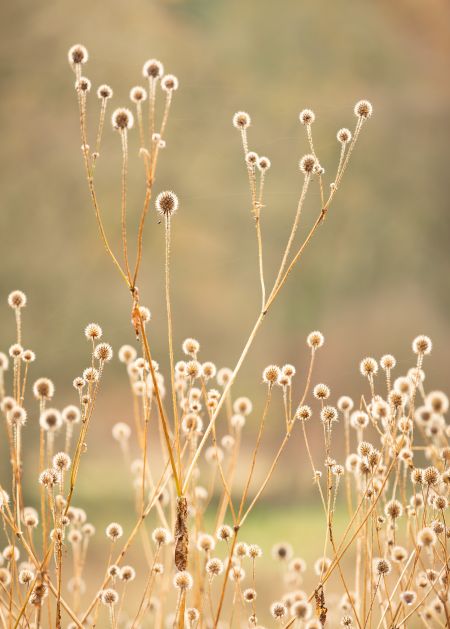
[328,414]
[303,413]
[26,576]
[50,420]
[243,406]
[109,597]
[271,374]
[282,551]
[103,352]
[315,339]
[363,109]
[28,356]
[16,350]
[104,92]
[128,573]
[122,119]
[114,531]
[161,536]
[382,567]
[264,164]
[307,164]
[426,537]
[183,580]
[387,362]
[71,414]
[408,597]
[251,158]
[422,345]
[345,403]
[278,610]
[344,135]
[307,116]
[224,533]
[153,69]
[77,54]
[61,461]
[321,392]
[169,83]
[437,401]
[17,299]
[249,595]
[241,120]
[138,94]
[166,203]
[17,416]
[93,332]
[214,567]
[191,347]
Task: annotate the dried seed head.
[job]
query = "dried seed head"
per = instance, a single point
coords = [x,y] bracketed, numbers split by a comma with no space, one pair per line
[282,551]
[77,54]
[61,461]
[78,383]
[161,536]
[437,401]
[209,371]
[426,537]
[393,509]
[264,164]
[17,299]
[359,419]
[93,332]
[315,339]
[30,517]
[48,478]
[307,116]
[91,374]
[122,119]
[166,203]
[205,542]
[183,580]
[271,374]
[387,362]
[241,120]
[153,69]
[368,367]
[242,405]
[26,576]
[303,413]
[121,432]
[192,615]
[399,554]
[251,158]
[328,414]
[104,92]
[254,551]
[191,347]
[103,352]
[127,573]
[382,567]
[214,567]
[224,533]
[114,531]
[422,345]
[363,109]
[278,610]
[16,350]
[307,164]
[17,416]
[71,414]
[28,356]
[344,135]
[169,83]
[50,420]
[408,597]
[43,389]
[431,476]
[301,609]
[321,392]
[138,94]
[109,597]
[345,403]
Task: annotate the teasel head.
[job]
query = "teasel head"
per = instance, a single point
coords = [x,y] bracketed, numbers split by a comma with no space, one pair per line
[308,164]
[431,476]
[241,120]
[303,413]
[422,345]
[387,362]
[166,203]
[17,299]
[393,509]
[328,415]
[382,567]
[368,367]
[307,116]
[153,69]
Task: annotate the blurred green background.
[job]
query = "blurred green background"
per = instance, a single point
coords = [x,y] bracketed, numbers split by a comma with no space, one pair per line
[375,276]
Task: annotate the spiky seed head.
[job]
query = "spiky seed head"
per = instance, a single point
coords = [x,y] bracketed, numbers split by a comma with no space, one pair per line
[307,116]
[161,536]
[127,573]
[209,370]
[426,537]
[437,401]
[241,120]
[431,476]
[192,615]
[77,54]
[249,595]
[315,339]
[169,83]
[114,531]
[17,416]
[359,419]
[271,374]
[224,533]
[17,299]
[278,610]
[303,413]
[264,164]
[104,92]
[321,392]
[103,352]
[78,383]
[408,597]
[301,609]
[329,414]
[28,356]
[387,362]
[153,69]
[382,567]
[109,597]
[205,542]
[393,509]
[7,404]
[345,403]
[166,203]
[121,432]
[122,119]
[223,376]
[26,576]
[243,405]
[363,109]
[368,367]
[254,551]
[282,551]
[251,158]
[50,420]
[191,347]
[71,414]
[127,354]
[344,135]
[307,164]
[61,461]
[48,478]
[422,345]
[93,332]
[16,350]
[183,580]
[138,94]
[214,567]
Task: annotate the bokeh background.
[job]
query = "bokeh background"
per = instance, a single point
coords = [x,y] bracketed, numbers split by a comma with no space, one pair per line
[375,277]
